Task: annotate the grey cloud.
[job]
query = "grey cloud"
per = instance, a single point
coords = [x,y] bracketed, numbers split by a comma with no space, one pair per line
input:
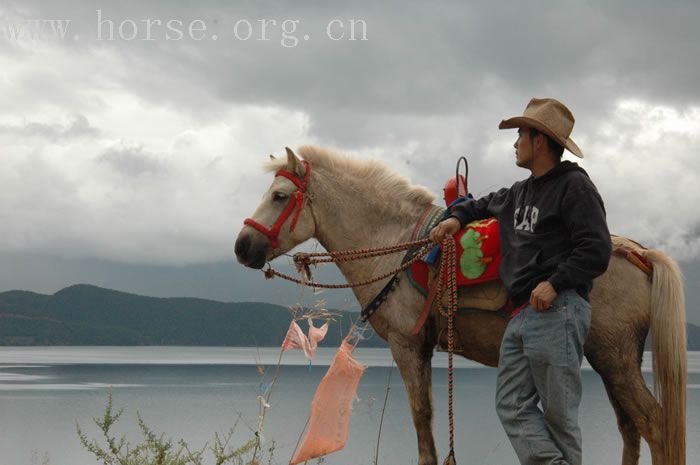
[430,84]
[132,161]
[79,127]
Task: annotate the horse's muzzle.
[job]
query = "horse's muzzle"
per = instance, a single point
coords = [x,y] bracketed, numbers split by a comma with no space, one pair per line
[250,251]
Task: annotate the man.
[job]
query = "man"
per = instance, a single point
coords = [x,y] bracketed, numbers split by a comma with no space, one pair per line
[554,242]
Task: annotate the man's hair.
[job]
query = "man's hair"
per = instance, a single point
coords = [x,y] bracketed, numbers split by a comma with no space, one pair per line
[554,146]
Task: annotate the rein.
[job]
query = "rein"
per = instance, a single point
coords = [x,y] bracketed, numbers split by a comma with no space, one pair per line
[449,270]
[303,261]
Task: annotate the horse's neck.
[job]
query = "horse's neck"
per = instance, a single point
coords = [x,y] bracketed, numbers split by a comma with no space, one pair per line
[347,222]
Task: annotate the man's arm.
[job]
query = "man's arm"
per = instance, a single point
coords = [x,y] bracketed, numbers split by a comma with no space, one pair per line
[466,212]
[472,210]
[584,217]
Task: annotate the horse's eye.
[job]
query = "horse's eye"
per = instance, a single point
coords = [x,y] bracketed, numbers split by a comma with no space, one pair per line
[279,196]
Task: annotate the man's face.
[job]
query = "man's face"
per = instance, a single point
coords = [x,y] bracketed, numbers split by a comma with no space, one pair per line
[523,148]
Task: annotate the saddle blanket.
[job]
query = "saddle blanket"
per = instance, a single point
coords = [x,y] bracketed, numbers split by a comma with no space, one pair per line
[478,254]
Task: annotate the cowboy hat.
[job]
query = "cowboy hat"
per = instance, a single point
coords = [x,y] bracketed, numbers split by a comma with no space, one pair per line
[550,117]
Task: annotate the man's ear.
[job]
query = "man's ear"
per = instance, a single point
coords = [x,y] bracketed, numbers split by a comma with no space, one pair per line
[539,141]
[294,164]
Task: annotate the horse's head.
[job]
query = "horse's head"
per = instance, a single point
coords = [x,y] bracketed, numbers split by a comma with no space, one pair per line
[282,220]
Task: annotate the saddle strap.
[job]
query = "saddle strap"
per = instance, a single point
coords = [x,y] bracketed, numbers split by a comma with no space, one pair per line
[634,257]
[428,220]
[423,317]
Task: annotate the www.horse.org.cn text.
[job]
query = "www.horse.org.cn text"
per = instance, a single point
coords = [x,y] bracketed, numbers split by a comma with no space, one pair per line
[288,33]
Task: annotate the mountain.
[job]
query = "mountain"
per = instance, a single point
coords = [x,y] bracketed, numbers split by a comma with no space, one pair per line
[90,315]
[693,337]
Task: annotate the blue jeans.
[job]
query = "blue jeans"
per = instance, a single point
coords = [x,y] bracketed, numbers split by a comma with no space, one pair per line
[540,362]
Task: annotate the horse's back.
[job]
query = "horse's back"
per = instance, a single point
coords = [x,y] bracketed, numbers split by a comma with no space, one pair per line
[620,301]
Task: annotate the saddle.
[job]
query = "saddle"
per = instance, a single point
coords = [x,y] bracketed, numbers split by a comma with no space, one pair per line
[479,255]
[479,288]
[489,296]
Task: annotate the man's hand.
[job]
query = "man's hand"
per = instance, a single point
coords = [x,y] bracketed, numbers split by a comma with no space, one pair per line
[449,226]
[542,296]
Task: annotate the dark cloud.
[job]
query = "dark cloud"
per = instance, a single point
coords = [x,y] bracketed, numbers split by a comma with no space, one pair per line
[418,59]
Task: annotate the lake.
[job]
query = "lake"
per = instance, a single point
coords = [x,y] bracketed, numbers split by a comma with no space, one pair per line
[193,392]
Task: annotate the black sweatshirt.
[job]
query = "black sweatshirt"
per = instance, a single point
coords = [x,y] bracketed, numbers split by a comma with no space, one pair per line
[552,228]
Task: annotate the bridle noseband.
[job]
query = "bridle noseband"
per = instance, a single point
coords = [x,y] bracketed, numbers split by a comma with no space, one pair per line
[295,204]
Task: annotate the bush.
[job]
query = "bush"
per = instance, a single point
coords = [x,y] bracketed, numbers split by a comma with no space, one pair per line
[156,449]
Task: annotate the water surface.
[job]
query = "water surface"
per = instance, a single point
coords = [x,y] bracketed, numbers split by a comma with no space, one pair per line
[192,392]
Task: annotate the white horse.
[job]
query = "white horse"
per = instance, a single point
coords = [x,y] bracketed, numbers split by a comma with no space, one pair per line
[349,204]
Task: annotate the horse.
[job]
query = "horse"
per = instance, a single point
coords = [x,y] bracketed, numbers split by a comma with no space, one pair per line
[347,203]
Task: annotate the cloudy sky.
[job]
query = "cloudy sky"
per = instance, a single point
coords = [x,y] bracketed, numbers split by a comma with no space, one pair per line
[132,134]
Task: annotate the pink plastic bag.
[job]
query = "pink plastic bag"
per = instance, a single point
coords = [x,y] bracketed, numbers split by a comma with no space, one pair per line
[296,339]
[331,407]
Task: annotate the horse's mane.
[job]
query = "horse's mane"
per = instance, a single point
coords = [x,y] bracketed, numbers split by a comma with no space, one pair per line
[373,173]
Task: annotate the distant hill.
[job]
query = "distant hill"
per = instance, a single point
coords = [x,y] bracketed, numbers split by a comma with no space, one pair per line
[693,337]
[90,315]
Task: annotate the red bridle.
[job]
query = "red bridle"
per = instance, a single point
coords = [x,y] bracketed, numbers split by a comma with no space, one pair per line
[296,202]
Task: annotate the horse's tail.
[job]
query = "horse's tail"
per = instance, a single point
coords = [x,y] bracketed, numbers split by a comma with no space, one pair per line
[670,358]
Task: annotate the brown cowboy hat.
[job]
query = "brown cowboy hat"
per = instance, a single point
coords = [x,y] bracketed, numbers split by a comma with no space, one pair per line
[550,117]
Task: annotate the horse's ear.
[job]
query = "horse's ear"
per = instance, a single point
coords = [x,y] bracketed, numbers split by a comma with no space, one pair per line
[293,163]
[272,157]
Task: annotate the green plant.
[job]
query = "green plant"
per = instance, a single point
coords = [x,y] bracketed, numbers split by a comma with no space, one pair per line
[156,449]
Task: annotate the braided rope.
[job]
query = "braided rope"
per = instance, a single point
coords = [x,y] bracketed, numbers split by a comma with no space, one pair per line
[356,254]
[303,260]
[449,268]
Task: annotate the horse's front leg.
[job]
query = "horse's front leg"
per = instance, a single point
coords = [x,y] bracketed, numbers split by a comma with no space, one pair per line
[415,367]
